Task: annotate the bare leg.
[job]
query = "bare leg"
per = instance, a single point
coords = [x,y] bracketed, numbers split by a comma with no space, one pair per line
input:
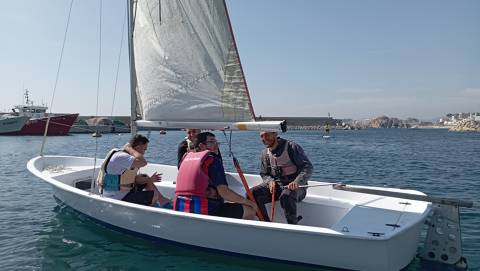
[248,212]
[157,196]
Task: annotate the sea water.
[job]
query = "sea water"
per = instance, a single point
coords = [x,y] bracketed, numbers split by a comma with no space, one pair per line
[38,234]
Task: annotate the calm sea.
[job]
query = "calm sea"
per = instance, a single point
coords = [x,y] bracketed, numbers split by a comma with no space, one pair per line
[37,234]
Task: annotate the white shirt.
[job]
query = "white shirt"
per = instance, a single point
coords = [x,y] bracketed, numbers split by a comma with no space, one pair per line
[119,162]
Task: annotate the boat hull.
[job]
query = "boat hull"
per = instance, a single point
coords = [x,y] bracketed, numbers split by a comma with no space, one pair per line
[292,243]
[59,125]
[12,125]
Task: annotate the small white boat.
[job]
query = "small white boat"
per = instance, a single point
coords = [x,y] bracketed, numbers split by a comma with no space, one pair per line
[10,124]
[339,228]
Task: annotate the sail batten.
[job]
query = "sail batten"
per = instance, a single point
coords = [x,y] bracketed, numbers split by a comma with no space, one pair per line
[187,63]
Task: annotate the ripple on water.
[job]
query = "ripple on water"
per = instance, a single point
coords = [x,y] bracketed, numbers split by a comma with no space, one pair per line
[36,234]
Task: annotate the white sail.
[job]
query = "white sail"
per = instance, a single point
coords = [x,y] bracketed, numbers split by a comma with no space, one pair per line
[187,65]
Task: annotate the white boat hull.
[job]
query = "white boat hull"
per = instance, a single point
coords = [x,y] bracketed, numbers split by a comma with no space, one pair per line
[334,231]
[12,124]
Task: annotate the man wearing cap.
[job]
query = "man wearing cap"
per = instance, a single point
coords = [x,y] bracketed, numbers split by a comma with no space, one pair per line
[283,164]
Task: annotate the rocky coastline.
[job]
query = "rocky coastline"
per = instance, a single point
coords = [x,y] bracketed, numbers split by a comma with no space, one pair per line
[466,126]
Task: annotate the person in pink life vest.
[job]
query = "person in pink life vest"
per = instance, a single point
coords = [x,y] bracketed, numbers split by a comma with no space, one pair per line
[202,185]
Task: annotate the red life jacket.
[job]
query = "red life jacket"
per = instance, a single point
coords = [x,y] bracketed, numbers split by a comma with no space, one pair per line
[192,179]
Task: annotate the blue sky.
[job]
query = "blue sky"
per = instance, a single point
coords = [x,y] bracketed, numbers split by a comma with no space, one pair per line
[353,59]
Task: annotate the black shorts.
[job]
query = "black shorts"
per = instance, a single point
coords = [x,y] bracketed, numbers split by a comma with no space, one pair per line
[232,210]
[138,196]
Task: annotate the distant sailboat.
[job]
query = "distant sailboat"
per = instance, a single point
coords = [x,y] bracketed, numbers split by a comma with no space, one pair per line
[327,131]
[186,73]
[326,135]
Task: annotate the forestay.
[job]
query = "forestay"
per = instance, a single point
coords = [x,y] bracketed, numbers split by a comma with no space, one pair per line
[187,64]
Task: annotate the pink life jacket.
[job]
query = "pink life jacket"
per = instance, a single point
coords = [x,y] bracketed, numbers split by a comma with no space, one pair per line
[192,180]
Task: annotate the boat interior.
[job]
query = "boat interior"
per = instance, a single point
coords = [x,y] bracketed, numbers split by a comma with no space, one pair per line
[348,213]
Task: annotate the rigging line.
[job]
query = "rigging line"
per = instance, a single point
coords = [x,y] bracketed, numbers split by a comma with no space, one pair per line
[61,56]
[230,153]
[56,77]
[230,142]
[118,64]
[236,164]
[92,185]
[116,75]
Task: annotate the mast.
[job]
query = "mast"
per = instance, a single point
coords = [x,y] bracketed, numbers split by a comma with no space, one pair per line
[133,78]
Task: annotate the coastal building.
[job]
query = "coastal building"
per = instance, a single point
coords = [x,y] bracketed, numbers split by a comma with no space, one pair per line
[80,126]
[452,119]
[116,124]
[100,124]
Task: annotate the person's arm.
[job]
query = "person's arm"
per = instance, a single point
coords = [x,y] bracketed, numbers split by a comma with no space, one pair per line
[300,159]
[139,159]
[143,178]
[217,176]
[229,195]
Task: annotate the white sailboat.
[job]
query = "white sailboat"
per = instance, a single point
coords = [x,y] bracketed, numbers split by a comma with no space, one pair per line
[186,72]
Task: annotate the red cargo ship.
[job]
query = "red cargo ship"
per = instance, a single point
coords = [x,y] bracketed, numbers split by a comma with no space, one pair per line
[60,124]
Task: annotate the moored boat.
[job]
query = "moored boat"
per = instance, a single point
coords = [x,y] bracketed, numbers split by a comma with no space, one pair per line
[11,124]
[59,124]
